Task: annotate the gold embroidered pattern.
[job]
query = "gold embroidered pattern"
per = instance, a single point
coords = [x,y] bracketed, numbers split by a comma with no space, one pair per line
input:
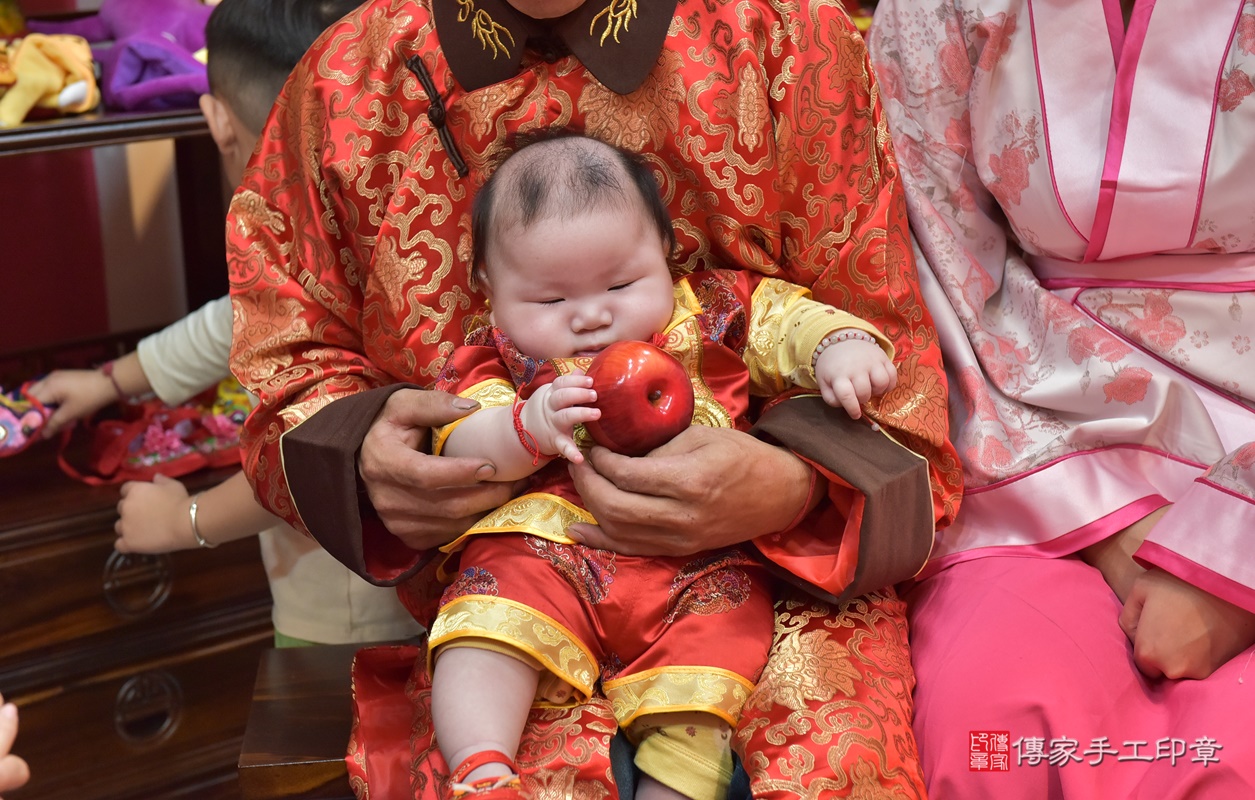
[683,339]
[715,691]
[617,14]
[484,28]
[825,717]
[514,624]
[767,311]
[490,394]
[544,515]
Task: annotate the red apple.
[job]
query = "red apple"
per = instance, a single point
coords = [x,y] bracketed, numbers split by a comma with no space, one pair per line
[644,395]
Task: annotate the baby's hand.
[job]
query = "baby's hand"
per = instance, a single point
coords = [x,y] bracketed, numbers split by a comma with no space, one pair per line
[76,393]
[551,414]
[853,371]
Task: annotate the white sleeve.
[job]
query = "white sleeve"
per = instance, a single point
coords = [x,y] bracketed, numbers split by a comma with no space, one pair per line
[188,356]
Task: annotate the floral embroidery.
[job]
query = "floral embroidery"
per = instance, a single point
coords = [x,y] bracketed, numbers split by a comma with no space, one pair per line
[1246,34]
[724,317]
[1128,386]
[1086,341]
[523,368]
[708,586]
[1234,88]
[1010,167]
[953,59]
[1010,174]
[471,581]
[1157,327]
[590,572]
[997,31]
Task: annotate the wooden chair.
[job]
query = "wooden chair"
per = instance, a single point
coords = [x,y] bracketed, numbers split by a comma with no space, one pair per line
[298,726]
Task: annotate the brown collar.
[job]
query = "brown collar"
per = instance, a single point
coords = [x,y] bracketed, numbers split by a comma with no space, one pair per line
[617,40]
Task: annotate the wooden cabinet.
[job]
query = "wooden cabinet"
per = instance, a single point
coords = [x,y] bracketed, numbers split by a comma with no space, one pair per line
[134,674]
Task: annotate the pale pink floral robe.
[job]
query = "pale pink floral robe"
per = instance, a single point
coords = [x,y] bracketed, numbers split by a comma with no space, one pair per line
[1085,198]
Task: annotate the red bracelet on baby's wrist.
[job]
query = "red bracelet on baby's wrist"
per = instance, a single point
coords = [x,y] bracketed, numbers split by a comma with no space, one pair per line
[525,437]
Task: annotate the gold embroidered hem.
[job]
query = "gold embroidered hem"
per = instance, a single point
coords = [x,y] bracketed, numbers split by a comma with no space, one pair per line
[489,394]
[514,624]
[676,688]
[538,513]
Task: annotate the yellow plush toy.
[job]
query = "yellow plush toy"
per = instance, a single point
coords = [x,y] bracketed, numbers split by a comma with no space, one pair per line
[45,71]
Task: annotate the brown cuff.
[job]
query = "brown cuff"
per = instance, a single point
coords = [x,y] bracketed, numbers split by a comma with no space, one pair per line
[320,462]
[896,534]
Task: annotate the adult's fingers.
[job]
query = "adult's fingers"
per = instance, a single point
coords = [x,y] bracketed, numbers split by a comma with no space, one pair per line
[1132,612]
[399,465]
[659,474]
[421,408]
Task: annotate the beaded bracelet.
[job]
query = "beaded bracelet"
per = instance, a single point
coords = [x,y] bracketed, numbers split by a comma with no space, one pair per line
[525,437]
[106,369]
[843,335]
[191,513]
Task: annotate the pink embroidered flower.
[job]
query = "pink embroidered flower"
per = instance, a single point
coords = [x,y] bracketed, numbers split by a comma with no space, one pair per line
[162,442]
[959,134]
[989,456]
[956,68]
[1244,458]
[1234,89]
[220,425]
[1010,174]
[1246,33]
[997,29]
[1128,386]
[976,394]
[1158,327]
[1088,342]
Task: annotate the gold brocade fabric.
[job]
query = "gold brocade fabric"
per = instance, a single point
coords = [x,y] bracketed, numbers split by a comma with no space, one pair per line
[349,239]
[830,718]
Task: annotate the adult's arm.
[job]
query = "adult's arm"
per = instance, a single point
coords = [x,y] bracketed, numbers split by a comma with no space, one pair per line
[300,248]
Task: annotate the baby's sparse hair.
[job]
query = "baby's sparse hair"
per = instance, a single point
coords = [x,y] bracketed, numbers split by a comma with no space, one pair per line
[561,173]
[253,45]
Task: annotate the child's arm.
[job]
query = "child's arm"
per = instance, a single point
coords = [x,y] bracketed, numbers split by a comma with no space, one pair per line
[176,362]
[851,368]
[547,419]
[156,518]
[78,393]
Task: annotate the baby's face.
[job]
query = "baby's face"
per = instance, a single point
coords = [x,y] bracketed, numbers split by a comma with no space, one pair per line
[570,287]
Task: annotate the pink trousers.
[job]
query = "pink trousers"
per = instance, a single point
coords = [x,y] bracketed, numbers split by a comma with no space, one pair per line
[1031,648]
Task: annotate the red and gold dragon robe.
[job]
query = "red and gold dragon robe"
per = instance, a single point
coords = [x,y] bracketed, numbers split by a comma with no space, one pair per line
[348,245]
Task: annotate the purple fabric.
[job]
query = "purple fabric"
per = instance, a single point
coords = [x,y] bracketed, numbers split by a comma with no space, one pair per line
[149,66]
[149,74]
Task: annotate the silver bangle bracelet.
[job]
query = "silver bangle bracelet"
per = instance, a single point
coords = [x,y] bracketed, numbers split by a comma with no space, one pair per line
[191,513]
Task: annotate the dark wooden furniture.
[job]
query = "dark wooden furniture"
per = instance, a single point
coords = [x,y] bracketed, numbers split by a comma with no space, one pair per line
[134,674]
[298,730]
[202,191]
